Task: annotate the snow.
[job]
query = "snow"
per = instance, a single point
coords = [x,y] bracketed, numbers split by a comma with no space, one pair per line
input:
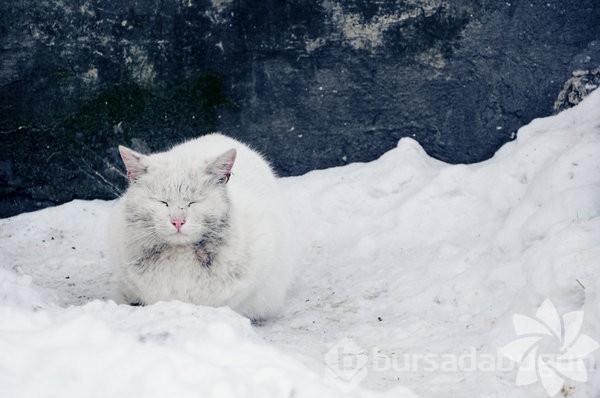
[402,257]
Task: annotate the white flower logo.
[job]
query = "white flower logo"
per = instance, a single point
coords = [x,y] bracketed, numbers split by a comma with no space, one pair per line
[550,369]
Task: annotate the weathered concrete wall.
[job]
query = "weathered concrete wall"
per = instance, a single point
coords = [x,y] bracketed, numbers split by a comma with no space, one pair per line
[312,84]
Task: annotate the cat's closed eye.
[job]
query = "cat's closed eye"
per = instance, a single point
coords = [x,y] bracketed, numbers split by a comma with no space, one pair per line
[164,203]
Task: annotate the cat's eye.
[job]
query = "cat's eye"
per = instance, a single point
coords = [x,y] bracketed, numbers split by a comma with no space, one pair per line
[190,204]
[164,203]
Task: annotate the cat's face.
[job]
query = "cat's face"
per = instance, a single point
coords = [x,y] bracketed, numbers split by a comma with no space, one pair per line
[176,202]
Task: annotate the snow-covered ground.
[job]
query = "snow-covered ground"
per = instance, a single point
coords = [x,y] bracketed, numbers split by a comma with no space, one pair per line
[410,271]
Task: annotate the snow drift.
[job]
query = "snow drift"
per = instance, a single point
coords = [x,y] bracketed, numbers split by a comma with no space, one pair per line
[405,256]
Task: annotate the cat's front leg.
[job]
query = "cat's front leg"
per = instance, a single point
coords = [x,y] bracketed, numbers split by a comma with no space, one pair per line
[124,295]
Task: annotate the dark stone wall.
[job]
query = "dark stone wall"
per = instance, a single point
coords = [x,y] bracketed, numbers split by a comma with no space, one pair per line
[312,84]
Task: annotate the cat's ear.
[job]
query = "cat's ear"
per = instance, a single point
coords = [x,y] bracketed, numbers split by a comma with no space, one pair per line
[135,163]
[221,167]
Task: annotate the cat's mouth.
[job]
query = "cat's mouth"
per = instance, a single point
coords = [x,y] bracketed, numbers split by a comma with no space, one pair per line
[178,238]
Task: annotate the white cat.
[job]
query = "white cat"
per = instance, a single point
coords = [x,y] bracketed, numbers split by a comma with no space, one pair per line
[202,223]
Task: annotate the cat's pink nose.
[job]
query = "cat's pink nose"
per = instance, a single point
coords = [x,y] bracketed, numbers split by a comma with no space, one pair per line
[178,223]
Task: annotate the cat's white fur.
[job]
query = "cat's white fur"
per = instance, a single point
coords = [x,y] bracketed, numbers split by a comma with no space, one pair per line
[233,247]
